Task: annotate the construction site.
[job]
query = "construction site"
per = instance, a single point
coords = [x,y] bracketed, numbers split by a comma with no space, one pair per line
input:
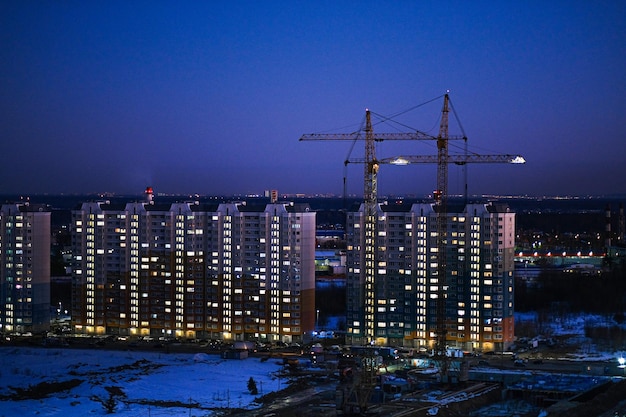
[328,383]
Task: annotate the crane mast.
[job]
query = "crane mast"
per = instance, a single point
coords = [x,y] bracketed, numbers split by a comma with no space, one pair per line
[370,196]
[441,207]
[370,191]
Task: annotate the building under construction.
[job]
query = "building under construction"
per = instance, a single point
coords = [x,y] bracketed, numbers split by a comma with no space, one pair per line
[479,250]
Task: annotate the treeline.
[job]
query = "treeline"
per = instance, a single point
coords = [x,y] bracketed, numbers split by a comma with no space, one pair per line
[557,223]
[603,293]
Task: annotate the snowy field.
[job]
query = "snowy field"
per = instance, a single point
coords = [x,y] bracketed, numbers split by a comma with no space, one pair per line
[68,382]
[570,329]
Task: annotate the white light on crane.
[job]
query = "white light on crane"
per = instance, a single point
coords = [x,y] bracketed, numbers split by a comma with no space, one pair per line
[400,161]
[518,160]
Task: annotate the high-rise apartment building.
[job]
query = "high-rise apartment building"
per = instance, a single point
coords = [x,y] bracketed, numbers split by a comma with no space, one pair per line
[24,268]
[224,271]
[479,242]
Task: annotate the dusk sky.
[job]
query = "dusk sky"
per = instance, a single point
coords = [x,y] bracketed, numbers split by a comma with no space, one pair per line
[211,97]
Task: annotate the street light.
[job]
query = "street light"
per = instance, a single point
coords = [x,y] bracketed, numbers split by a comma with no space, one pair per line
[317,319]
[622,363]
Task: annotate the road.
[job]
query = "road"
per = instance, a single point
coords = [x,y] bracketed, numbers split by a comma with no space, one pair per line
[588,367]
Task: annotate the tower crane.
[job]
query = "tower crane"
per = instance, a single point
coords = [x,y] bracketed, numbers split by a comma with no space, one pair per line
[368,135]
[370,200]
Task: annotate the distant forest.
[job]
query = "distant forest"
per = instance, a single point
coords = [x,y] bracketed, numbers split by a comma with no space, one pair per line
[562,222]
[558,291]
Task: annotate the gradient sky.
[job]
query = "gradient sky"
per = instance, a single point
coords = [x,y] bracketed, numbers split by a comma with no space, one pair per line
[211,97]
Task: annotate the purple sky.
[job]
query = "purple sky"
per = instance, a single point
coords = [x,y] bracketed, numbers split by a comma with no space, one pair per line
[212,97]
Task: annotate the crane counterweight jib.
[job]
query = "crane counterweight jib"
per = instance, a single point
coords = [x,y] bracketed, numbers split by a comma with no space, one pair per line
[378,137]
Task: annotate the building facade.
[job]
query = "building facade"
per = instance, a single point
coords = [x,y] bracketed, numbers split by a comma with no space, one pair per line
[191,270]
[24,268]
[480,243]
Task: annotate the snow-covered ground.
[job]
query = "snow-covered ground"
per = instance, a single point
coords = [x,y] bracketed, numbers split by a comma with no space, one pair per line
[133,383]
[157,384]
[569,329]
